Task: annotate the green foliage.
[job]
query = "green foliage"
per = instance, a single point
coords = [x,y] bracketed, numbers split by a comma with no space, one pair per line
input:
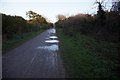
[36,18]
[16,25]
[103,26]
[80,23]
[16,30]
[12,25]
[90,45]
[85,57]
[17,40]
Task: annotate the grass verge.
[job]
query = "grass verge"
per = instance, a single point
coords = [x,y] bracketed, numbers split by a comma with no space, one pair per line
[18,40]
[85,57]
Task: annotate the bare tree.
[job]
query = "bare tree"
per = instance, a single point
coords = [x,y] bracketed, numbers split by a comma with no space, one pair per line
[115,6]
[100,12]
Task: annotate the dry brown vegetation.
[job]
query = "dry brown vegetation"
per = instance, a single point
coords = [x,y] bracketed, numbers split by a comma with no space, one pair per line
[102,28]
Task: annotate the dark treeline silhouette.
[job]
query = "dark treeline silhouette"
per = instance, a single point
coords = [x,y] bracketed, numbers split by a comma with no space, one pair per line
[104,29]
[16,25]
[103,25]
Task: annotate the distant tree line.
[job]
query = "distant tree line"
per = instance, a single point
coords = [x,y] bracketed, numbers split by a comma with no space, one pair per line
[104,25]
[16,25]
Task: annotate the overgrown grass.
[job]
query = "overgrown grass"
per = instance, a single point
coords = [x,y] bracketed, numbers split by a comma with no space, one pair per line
[85,57]
[18,40]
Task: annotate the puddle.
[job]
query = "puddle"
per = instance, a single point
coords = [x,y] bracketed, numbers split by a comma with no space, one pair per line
[53,37]
[52,41]
[52,31]
[50,48]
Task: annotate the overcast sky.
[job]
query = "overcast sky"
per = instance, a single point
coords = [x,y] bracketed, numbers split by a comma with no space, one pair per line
[48,8]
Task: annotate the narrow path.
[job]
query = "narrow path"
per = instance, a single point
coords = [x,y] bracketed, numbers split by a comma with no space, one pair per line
[34,59]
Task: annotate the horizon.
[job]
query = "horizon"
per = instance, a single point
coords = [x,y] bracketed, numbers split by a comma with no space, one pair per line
[48,9]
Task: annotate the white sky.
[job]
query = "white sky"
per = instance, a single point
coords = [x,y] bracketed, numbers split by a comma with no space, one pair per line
[48,8]
[46,0]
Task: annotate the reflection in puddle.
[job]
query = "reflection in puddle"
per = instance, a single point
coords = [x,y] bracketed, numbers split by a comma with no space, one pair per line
[53,37]
[51,48]
[52,41]
[52,31]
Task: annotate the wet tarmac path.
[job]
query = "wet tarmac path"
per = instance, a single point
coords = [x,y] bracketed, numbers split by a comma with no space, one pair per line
[37,58]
